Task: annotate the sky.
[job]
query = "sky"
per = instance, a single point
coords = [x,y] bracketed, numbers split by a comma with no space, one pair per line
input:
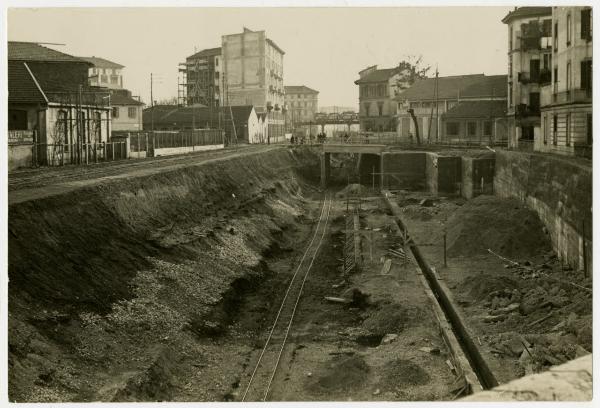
[324,47]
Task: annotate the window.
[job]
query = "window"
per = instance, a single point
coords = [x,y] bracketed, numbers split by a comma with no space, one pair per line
[17,119]
[569,29]
[115,112]
[380,108]
[60,135]
[568,130]
[586,76]
[487,128]
[556,36]
[546,121]
[452,128]
[510,38]
[586,24]
[114,79]
[216,62]
[132,112]
[97,131]
[367,105]
[471,128]
[510,95]
[568,84]
[555,129]
[555,79]
[104,78]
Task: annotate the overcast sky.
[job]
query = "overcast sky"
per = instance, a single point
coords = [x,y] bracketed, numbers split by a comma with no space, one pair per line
[325,47]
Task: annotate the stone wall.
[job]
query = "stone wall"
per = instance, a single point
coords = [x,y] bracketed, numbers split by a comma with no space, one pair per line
[559,190]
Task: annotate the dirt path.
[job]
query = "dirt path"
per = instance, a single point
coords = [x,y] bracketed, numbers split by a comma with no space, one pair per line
[29,185]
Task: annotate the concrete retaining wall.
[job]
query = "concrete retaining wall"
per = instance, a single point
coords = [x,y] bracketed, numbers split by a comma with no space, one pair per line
[477,176]
[404,170]
[559,190]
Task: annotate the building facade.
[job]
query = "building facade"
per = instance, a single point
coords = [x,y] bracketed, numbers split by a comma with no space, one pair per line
[126,111]
[105,73]
[376,91]
[431,98]
[203,78]
[253,70]
[52,107]
[566,103]
[529,69]
[302,104]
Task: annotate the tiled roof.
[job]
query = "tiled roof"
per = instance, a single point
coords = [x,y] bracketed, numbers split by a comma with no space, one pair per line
[26,51]
[299,89]
[120,99]
[468,86]
[175,116]
[102,63]
[21,85]
[478,109]
[523,12]
[493,85]
[206,53]
[378,75]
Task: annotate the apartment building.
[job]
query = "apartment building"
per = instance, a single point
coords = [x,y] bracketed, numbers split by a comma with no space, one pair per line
[203,78]
[376,91]
[302,104]
[566,102]
[105,73]
[529,69]
[253,70]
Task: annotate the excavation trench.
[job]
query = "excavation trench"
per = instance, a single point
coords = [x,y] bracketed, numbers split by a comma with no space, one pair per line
[164,287]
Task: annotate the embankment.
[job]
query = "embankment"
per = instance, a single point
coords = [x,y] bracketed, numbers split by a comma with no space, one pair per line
[111,282]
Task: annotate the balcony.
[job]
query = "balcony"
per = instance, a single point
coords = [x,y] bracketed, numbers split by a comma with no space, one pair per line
[573,96]
[542,77]
[523,110]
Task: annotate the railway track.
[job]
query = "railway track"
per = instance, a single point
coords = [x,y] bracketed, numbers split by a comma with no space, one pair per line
[53,175]
[265,369]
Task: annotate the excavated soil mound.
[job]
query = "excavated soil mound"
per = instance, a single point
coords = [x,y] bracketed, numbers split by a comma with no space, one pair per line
[340,374]
[480,286]
[402,372]
[503,225]
[352,190]
[390,318]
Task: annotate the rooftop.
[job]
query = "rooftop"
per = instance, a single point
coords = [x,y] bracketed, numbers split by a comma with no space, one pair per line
[207,52]
[29,51]
[451,87]
[101,62]
[524,12]
[175,116]
[22,87]
[478,109]
[299,89]
[378,75]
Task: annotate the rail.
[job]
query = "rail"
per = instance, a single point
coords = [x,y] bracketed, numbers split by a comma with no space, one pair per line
[271,353]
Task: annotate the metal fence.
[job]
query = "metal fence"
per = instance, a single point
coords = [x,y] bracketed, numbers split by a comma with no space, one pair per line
[394,139]
[143,141]
[46,154]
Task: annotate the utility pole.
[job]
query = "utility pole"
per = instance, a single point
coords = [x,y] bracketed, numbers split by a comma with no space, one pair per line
[437,119]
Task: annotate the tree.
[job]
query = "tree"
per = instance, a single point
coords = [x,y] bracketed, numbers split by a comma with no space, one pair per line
[411,70]
[167,101]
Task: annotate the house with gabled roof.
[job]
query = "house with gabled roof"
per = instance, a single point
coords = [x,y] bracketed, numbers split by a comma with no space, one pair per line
[431,98]
[376,91]
[51,107]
